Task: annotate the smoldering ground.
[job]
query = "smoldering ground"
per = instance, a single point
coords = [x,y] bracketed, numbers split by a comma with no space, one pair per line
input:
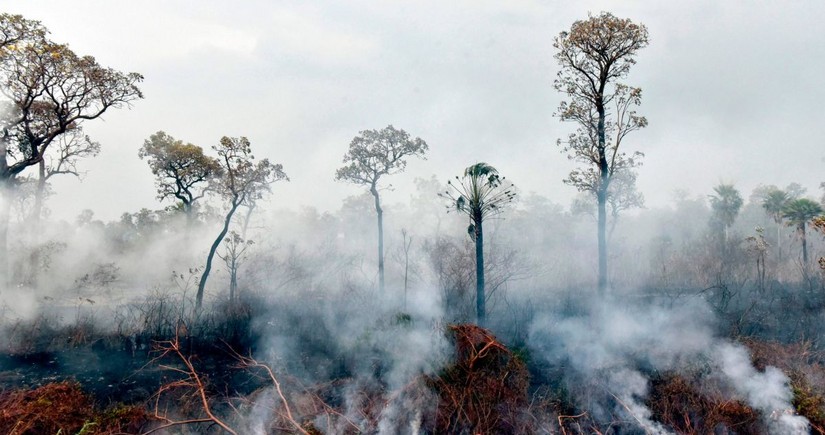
[610,352]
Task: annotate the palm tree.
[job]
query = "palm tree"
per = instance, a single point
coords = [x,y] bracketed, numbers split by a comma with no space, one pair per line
[479,193]
[774,204]
[725,204]
[798,213]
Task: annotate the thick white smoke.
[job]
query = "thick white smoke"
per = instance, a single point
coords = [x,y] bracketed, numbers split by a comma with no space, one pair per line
[608,344]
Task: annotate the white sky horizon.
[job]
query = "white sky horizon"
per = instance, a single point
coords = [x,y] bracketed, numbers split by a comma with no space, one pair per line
[731,91]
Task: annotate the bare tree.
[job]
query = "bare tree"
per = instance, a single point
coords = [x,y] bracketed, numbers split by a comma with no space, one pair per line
[234,255]
[371,155]
[593,56]
[62,159]
[479,194]
[242,180]
[49,91]
[182,171]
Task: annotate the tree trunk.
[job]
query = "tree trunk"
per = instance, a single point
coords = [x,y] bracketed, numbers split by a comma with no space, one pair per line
[380,213]
[39,192]
[189,211]
[36,215]
[804,246]
[601,196]
[212,250]
[779,242]
[481,310]
[246,220]
[407,244]
[602,243]
[5,214]
[233,280]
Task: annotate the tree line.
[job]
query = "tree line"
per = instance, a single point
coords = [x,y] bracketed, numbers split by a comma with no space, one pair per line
[51,92]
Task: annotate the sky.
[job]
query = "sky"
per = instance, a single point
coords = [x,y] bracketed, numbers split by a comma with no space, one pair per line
[731,90]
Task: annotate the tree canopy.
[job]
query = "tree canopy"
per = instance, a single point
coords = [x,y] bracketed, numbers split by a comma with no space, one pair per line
[50,90]
[182,171]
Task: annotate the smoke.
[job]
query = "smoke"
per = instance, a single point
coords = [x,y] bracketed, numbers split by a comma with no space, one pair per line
[610,350]
[766,391]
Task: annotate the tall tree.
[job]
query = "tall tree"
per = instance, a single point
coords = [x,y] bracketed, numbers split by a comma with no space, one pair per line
[49,90]
[774,204]
[241,180]
[479,194]
[182,171]
[594,55]
[798,213]
[725,204]
[371,155]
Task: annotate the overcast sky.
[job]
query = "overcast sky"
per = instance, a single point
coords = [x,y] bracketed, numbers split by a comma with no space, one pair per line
[732,90]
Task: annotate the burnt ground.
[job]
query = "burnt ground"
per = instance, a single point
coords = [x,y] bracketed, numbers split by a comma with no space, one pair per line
[120,375]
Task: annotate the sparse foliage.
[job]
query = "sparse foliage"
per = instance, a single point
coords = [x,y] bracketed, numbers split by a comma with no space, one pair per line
[242,180]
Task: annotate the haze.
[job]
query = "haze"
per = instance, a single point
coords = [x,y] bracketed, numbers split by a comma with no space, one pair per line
[731,90]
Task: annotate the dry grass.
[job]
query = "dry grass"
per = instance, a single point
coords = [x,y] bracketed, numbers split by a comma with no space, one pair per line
[688,408]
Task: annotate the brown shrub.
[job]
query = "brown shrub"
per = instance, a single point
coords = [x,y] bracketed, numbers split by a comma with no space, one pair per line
[57,407]
[679,403]
[484,390]
[62,407]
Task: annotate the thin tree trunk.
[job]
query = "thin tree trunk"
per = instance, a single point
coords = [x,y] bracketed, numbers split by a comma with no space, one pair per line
[481,309]
[212,250]
[380,213]
[602,244]
[5,214]
[233,280]
[779,241]
[804,246]
[39,192]
[601,196]
[36,215]
[407,244]
[246,220]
